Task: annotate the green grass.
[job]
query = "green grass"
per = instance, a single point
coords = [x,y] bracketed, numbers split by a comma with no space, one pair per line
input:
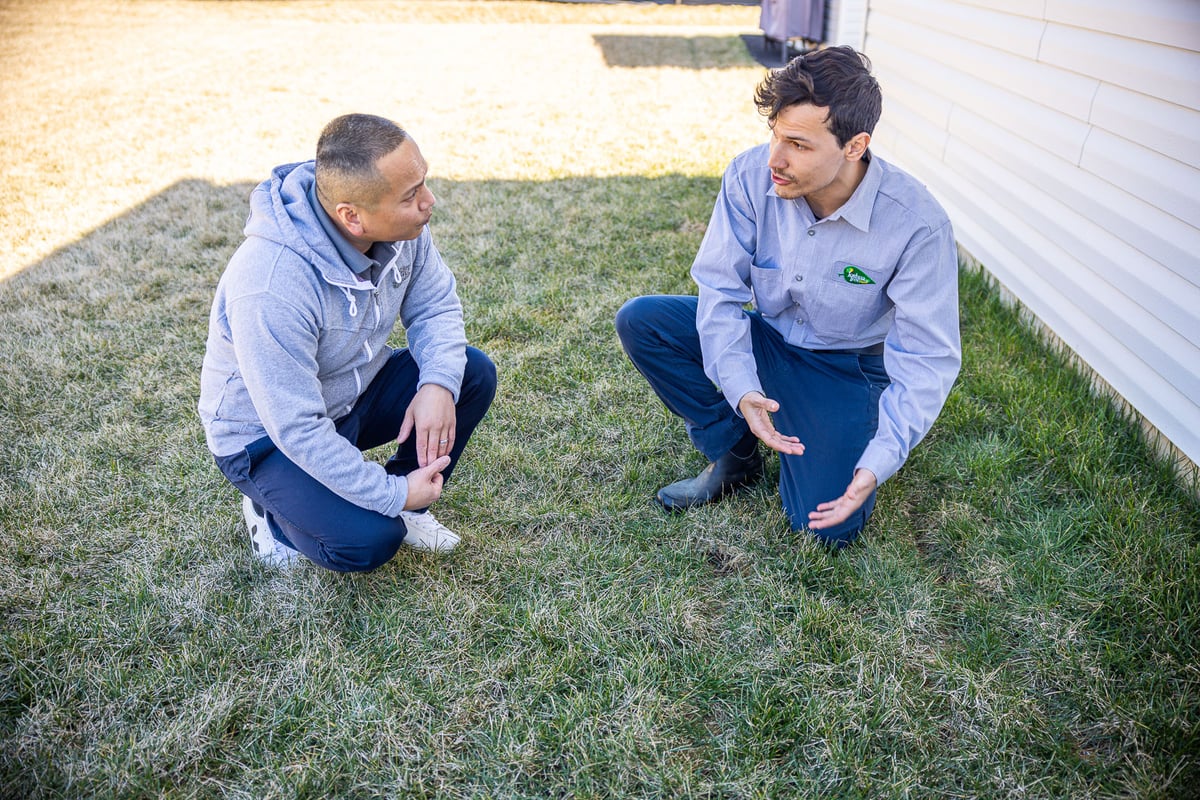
[1022,618]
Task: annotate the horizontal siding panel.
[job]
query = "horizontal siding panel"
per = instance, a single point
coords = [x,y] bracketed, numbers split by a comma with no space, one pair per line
[1021,270]
[1036,124]
[1144,67]
[1170,129]
[1161,181]
[1161,237]
[1064,91]
[1069,169]
[930,106]
[891,55]
[1175,23]
[1072,285]
[1139,286]
[1024,8]
[885,136]
[917,130]
[1170,411]
[1018,35]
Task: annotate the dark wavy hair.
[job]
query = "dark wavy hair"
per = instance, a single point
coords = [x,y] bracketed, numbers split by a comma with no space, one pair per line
[347,152]
[837,78]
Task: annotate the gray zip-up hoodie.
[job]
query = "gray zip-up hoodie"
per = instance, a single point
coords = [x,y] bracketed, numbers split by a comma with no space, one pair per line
[295,337]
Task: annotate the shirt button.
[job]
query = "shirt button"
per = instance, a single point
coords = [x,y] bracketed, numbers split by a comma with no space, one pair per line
[799,277]
[812,232]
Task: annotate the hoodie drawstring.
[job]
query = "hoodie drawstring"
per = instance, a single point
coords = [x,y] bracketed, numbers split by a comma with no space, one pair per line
[351,300]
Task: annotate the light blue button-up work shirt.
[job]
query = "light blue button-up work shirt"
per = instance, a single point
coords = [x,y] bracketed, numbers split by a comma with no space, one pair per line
[882,268]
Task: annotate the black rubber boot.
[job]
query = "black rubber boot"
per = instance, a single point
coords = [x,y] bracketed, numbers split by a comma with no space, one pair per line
[726,474]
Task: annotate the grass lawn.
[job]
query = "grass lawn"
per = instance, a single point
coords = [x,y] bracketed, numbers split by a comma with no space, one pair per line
[1021,620]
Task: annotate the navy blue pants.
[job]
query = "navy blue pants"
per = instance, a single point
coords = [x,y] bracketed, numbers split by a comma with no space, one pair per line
[327,529]
[829,400]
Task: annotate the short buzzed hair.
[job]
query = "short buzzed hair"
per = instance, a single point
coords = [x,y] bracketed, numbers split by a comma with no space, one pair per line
[347,153]
[837,78]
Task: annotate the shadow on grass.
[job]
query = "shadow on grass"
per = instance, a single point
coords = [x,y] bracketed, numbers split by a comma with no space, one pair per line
[103,341]
[1023,611]
[108,332]
[685,52]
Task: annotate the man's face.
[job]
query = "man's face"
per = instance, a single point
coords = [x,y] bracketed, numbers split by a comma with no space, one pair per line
[404,209]
[805,156]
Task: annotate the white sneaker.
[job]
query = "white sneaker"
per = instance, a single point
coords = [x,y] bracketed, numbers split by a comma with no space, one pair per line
[266,547]
[426,534]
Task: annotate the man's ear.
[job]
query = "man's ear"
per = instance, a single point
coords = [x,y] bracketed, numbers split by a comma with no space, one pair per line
[347,215]
[857,146]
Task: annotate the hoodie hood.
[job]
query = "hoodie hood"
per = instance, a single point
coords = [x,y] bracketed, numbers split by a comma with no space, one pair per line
[281,212]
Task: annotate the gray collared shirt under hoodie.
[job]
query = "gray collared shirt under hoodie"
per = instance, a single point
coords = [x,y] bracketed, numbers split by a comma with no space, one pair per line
[882,268]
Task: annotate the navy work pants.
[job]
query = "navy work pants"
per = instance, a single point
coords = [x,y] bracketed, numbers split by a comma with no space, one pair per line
[329,530]
[829,400]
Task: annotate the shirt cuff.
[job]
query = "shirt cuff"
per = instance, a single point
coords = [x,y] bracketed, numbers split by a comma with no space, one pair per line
[738,387]
[399,496]
[881,463]
[447,382]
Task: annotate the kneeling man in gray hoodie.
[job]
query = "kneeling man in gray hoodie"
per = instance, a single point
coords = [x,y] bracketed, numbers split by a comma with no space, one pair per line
[298,378]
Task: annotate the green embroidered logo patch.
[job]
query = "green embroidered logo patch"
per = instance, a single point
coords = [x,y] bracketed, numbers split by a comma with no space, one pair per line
[852,274]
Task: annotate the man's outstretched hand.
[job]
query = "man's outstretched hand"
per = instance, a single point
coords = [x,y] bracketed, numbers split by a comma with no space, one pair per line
[837,511]
[425,484]
[757,411]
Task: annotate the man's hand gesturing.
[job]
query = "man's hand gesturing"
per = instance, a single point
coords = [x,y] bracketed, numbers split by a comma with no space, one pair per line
[757,411]
[838,511]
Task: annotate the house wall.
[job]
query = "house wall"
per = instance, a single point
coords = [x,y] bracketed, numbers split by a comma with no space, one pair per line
[846,22]
[1063,138]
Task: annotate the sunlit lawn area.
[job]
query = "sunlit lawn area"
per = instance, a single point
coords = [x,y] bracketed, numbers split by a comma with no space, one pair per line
[1022,618]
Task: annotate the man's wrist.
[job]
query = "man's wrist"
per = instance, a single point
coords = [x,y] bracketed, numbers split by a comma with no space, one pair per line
[435,383]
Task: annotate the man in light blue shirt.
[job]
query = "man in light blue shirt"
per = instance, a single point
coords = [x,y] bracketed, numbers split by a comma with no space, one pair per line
[826,324]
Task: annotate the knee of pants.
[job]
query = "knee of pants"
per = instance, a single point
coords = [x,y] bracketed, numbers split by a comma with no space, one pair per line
[480,373]
[840,536]
[363,550]
[836,541]
[633,318]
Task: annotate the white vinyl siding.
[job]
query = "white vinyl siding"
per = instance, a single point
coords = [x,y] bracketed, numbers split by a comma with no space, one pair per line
[1063,137]
[846,22]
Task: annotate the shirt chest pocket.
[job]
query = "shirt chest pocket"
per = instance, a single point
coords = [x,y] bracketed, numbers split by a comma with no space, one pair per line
[849,299]
[769,285]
